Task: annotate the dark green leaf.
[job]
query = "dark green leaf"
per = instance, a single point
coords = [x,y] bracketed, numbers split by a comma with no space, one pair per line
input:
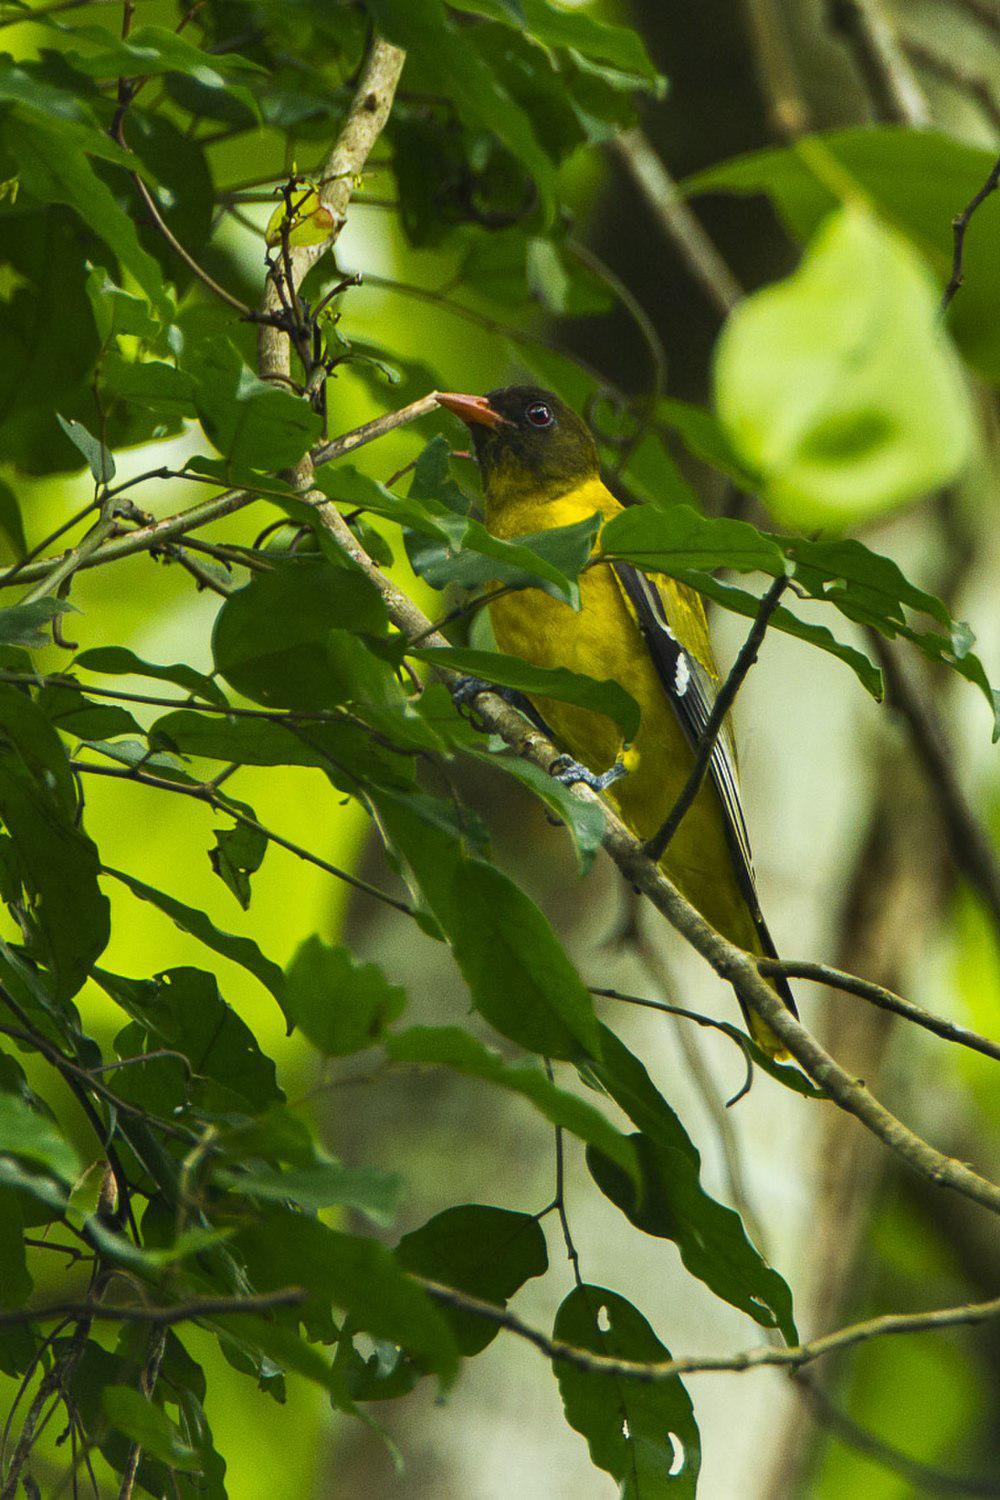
[340,1005]
[68,913]
[11,523]
[149,1426]
[448,1047]
[55,169]
[607,698]
[673,1205]
[101,463]
[486,1252]
[584,820]
[620,46]
[182,1010]
[15,1282]
[645,1435]
[238,854]
[24,1132]
[254,424]
[240,950]
[119,661]
[285,639]
[286,1248]
[678,539]
[326,1185]
[424,28]
[23,624]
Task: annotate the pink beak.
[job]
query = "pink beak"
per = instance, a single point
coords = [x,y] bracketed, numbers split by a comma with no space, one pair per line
[472,409]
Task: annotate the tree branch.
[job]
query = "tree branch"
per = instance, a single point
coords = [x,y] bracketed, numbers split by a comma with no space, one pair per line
[731,963]
[897,96]
[366,119]
[658,844]
[969,843]
[969,1315]
[679,223]
[885,999]
[166,1317]
[207,793]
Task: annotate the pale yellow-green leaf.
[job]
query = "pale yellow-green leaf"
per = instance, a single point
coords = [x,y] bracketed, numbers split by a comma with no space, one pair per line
[838,386]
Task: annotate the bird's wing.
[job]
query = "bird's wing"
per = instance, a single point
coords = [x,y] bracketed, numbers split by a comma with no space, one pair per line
[688,675]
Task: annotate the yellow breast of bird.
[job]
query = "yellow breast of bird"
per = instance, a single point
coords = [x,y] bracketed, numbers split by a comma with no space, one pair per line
[602,640]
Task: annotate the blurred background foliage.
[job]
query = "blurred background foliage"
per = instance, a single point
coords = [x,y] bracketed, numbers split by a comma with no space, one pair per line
[855,863]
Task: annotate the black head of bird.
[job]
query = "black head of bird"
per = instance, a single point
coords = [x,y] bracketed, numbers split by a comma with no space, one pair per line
[527,441]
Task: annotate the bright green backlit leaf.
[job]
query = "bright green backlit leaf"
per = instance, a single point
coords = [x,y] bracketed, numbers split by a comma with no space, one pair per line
[838,387]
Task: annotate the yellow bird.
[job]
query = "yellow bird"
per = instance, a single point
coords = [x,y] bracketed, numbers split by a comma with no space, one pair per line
[540,469]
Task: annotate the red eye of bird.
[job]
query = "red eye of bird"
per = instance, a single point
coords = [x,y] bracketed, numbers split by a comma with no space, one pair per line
[538,414]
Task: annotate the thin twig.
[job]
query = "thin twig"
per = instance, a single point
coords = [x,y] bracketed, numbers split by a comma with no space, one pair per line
[559,1201]
[724,701]
[866,989]
[969,1315]
[205,792]
[166,1317]
[922,1476]
[970,844]
[679,223]
[365,121]
[776,67]
[960,226]
[952,70]
[682,1013]
[896,95]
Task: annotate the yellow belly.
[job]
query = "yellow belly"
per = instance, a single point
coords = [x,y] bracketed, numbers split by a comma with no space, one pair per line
[603,640]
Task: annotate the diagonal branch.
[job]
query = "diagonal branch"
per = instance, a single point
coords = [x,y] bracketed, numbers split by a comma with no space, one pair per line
[960,226]
[731,963]
[366,119]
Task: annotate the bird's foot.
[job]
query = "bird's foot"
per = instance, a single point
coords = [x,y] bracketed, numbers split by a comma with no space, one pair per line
[468,688]
[567,770]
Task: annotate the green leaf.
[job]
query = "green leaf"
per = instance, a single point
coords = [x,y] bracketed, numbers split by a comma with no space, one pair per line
[285,1248]
[55,169]
[287,640]
[11,524]
[23,624]
[181,1009]
[607,697]
[238,854]
[16,1284]
[486,1252]
[644,1435]
[100,461]
[473,557]
[24,1132]
[620,46]
[340,1005]
[239,950]
[116,311]
[584,820]
[423,28]
[448,1047]
[919,180]
[149,1426]
[673,1205]
[677,539]
[119,661]
[68,914]
[253,423]
[327,1185]
[742,602]
[837,386]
